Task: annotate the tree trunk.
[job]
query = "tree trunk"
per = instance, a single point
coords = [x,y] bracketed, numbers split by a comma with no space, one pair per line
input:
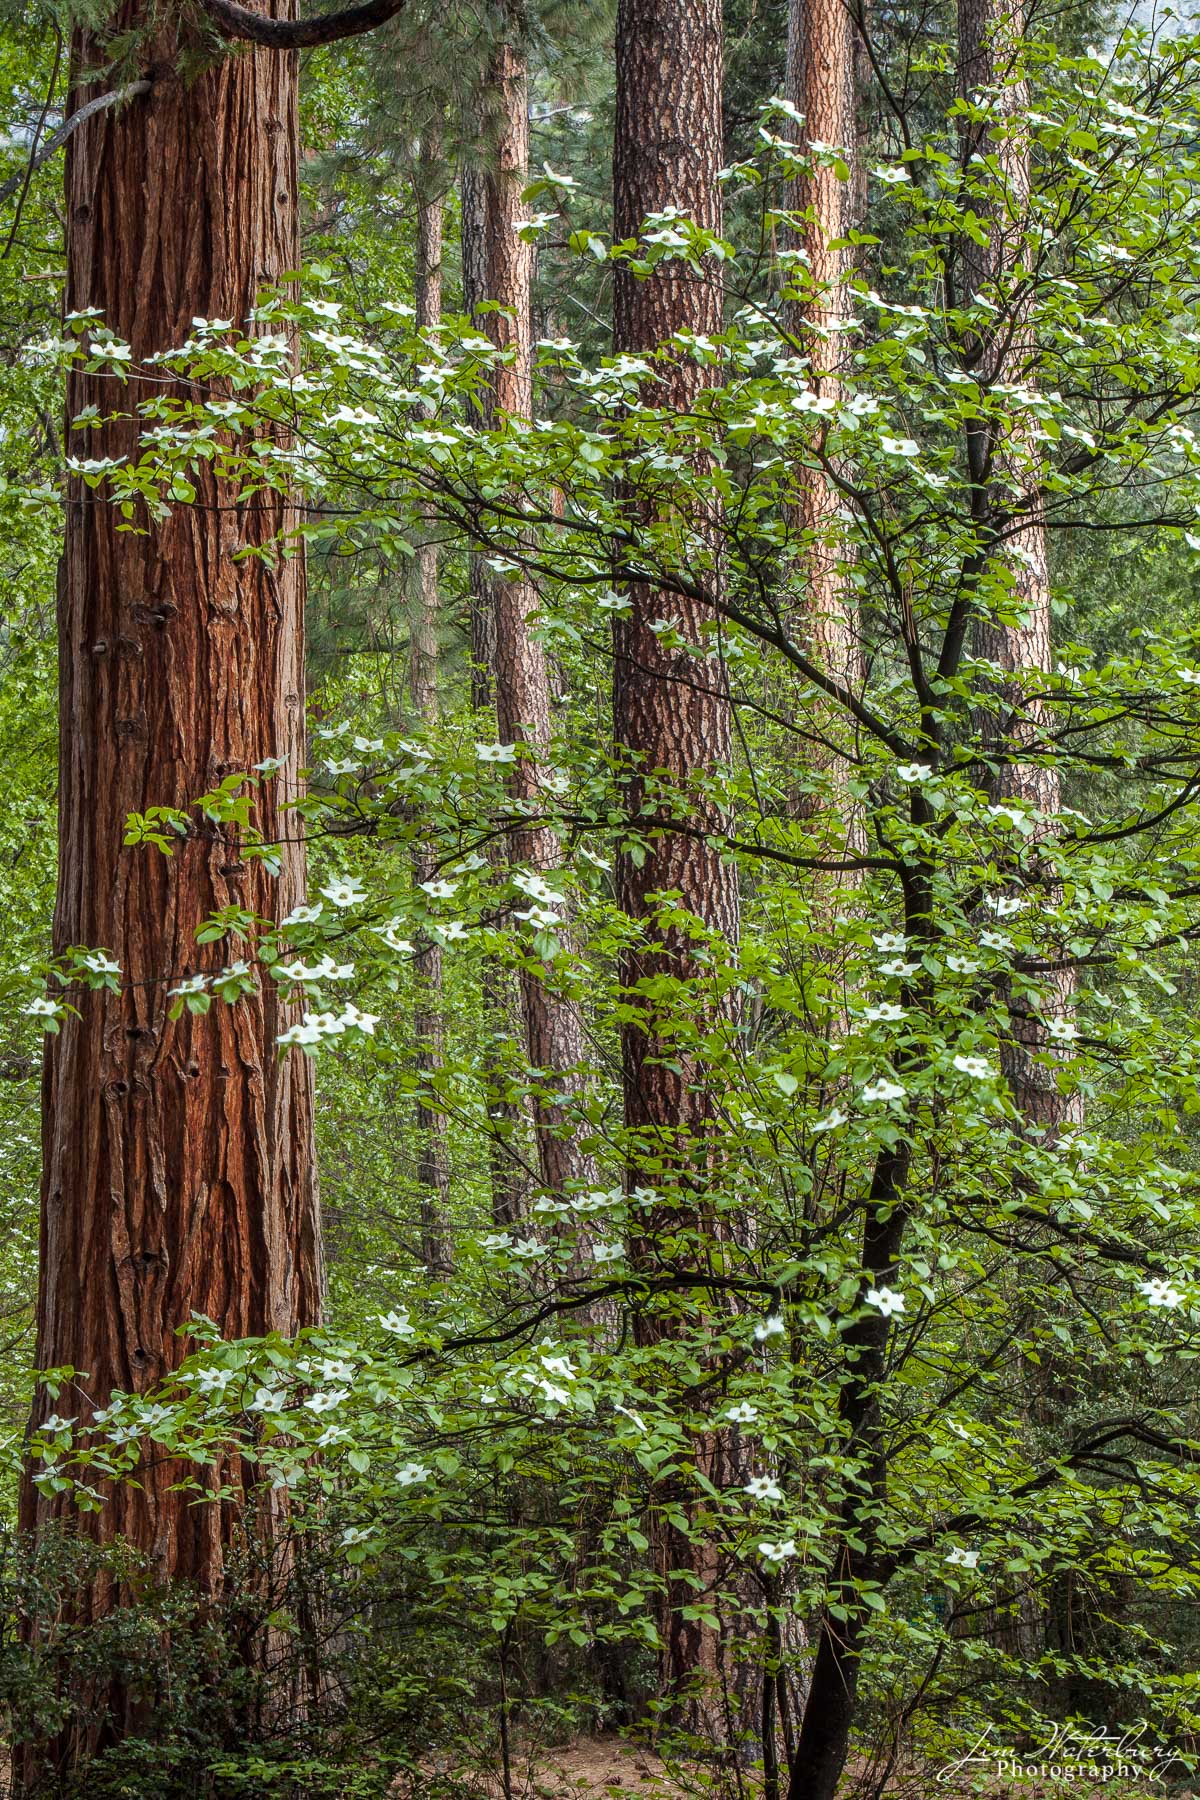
[671,714]
[178,1155]
[820,83]
[990,42]
[553,1029]
[509,1121]
[429,1026]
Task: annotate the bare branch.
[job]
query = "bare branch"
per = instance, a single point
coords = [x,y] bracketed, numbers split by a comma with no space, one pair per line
[58,138]
[234,21]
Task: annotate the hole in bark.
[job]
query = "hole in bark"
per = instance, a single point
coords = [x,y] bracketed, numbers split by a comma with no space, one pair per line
[100,647]
[193,1068]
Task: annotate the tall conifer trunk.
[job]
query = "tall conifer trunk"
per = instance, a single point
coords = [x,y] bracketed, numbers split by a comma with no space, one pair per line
[991,34]
[671,715]
[429,1025]
[520,682]
[178,1157]
[820,83]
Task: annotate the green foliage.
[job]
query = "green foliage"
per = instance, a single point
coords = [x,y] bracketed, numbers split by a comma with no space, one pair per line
[973,1449]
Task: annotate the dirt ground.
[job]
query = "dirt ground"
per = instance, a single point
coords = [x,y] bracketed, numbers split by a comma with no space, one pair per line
[586,1770]
[610,1767]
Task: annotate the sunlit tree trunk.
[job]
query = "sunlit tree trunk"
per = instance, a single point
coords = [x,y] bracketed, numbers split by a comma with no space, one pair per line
[671,714]
[553,1030]
[820,83]
[991,33]
[429,1025]
[509,1139]
[178,1156]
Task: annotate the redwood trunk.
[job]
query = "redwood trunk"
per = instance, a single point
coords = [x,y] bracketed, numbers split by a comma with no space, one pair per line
[671,715]
[553,1029]
[178,1155]
[990,43]
[429,1027]
[820,83]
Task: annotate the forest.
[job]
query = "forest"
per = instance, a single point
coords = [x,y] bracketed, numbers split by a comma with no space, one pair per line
[599,867]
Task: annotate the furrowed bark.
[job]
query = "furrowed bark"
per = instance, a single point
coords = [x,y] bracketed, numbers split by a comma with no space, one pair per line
[508,1170]
[820,84]
[429,1025]
[553,1029]
[671,714]
[990,42]
[178,1159]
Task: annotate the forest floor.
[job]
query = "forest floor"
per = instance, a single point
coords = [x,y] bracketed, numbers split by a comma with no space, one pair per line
[611,1767]
[585,1770]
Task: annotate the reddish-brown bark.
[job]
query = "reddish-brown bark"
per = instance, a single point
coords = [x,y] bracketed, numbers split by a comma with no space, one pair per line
[990,40]
[671,716]
[178,1170]
[820,83]
[520,682]
[671,708]
[429,1030]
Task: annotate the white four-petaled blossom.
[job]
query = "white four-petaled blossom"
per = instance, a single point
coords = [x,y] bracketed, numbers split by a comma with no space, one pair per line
[268,1400]
[963,1559]
[398,1323]
[885,1300]
[883,1089]
[977,1067]
[769,1328]
[326,1402]
[763,1487]
[302,915]
[1159,1292]
[778,1553]
[743,1414]
[345,893]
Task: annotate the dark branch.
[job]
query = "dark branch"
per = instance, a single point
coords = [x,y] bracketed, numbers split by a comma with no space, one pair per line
[234,21]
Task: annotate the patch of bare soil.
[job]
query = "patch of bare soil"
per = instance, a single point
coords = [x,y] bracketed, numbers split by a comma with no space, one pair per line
[610,1768]
[596,1768]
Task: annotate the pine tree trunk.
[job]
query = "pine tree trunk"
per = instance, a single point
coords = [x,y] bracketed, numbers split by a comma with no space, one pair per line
[820,83]
[509,1168]
[990,41]
[671,714]
[429,1026]
[553,1029]
[178,1156]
